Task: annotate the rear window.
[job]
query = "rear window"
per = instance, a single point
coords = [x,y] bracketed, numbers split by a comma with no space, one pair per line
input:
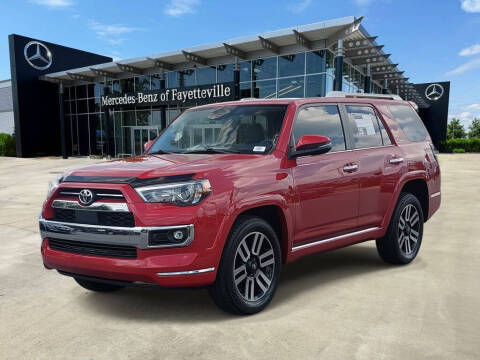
[409,122]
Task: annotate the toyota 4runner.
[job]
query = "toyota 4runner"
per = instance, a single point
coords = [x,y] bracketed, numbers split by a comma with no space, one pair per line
[231,192]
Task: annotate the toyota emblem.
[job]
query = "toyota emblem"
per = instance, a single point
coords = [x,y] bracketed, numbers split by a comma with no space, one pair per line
[433,92]
[85,197]
[38,55]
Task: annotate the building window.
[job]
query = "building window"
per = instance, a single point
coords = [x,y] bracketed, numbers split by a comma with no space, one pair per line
[291,65]
[225,73]
[264,68]
[316,61]
[142,83]
[265,89]
[315,85]
[291,87]
[206,75]
[245,90]
[127,85]
[246,71]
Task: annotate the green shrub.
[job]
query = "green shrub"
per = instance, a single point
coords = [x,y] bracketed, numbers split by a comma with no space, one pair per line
[458,151]
[468,145]
[7,145]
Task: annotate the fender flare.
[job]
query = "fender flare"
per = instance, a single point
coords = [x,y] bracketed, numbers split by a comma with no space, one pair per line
[244,205]
[413,175]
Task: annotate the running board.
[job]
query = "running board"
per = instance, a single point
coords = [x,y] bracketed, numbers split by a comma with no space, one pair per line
[335,238]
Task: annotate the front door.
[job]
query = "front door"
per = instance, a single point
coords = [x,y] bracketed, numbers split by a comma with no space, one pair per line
[141,135]
[326,185]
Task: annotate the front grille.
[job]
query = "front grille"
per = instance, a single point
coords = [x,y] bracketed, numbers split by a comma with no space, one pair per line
[105,218]
[94,249]
[99,194]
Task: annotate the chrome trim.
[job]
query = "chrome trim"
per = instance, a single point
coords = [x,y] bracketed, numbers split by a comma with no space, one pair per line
[133,236]
[396,160]
[96,206]
[189,272]
[335,238]
[110,195]
[350,167]
[435,194]
[69,193]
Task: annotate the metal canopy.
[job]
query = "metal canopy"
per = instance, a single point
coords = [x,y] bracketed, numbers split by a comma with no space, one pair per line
[360,49]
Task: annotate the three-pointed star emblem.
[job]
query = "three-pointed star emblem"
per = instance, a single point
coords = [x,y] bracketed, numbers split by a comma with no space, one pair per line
[38,55]
[434,92]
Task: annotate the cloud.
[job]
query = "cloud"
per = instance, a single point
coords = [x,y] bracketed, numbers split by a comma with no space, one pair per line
[54,3]
[473,107]
[471,6]
[471,50]
[362,3]
[472,64]
[178,8]
[299,6]
[111,33]
[466,114]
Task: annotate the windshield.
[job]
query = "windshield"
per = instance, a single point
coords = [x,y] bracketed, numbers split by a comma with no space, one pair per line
[223,129]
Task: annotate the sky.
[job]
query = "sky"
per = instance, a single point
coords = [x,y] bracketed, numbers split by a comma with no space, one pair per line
[432,40]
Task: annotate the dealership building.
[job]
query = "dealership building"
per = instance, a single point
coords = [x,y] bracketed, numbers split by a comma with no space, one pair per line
[71,102]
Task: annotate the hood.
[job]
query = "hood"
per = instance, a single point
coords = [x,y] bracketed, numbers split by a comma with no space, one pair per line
[151,166]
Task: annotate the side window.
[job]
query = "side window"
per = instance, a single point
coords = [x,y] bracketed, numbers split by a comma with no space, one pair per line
[320,120]
[364,125]
[409,122]
[383,131]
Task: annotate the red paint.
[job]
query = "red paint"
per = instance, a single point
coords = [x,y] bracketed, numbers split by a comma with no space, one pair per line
[307,141]
[315,197]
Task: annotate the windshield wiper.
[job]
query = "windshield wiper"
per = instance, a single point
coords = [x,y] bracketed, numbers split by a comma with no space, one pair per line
[212,151]
[159,152]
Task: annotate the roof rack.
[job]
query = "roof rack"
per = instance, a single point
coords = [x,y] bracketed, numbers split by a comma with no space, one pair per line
[343,94]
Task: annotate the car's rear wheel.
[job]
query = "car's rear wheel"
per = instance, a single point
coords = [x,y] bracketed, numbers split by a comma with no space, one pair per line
[249,269]
[97,286]
[402,241]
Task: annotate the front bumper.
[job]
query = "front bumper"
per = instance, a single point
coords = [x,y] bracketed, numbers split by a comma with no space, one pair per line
[181,265]
[132,236]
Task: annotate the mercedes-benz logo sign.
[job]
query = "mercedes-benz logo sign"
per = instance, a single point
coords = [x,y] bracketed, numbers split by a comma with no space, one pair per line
[434,92]
[85,197]
[38,55]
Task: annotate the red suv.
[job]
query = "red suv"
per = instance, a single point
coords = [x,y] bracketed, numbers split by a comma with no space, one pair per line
[231,192]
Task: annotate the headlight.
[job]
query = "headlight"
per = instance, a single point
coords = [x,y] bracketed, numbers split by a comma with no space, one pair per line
[185,193]
[53,185]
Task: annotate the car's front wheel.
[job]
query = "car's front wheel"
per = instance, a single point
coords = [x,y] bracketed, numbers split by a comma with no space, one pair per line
[250,267]
[401,243]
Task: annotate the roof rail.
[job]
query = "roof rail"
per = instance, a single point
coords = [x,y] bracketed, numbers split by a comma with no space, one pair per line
[343,94]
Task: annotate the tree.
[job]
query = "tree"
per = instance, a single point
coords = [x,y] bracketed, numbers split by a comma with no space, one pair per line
[455,130]
[474,129]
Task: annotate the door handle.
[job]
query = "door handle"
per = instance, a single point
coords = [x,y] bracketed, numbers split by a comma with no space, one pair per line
[396,160]
[350,168]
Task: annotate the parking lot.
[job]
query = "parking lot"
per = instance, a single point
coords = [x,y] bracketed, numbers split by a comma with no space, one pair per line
[344,304]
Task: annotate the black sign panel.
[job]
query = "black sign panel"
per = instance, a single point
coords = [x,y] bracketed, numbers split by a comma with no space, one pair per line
[183,96]
[435,116]
[35,102]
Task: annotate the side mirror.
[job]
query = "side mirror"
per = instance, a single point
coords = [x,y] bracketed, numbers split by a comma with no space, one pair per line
[312,145]
[148,145]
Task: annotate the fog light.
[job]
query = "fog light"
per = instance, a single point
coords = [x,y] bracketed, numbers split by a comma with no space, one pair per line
[178,235]
[170,237]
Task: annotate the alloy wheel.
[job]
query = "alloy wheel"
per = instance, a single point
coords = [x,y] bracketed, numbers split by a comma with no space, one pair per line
[254,265]
[409,230]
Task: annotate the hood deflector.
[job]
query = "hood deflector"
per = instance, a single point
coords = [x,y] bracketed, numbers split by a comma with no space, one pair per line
[132,181]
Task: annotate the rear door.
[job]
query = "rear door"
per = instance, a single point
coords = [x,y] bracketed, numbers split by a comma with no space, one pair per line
[379,163]
[326,185]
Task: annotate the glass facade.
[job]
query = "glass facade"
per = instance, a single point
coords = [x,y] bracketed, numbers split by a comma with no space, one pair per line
[303,74]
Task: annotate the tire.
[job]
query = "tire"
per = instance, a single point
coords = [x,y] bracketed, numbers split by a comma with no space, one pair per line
[401,243]
[249,269]
[97,286]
